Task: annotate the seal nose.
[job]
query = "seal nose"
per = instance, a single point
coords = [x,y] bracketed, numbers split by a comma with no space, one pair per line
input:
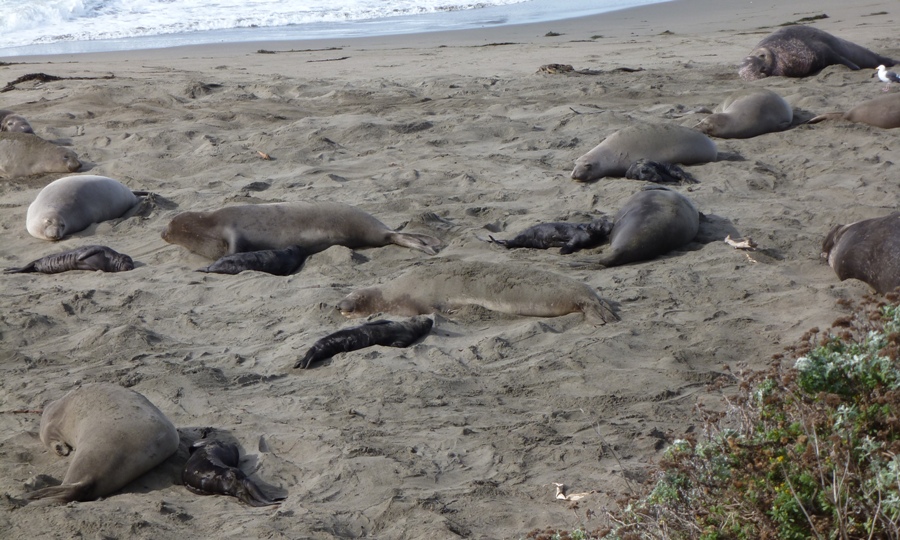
[345,306]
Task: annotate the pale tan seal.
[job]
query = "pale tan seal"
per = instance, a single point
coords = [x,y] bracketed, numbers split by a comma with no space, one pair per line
[71,204]
[113,434]
[667,143]
[10,121]
[867,250]
[748,113]
[445,285]
[883,112]
[312,226]
[24,154]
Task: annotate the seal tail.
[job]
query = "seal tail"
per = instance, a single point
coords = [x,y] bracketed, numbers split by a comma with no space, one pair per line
[250,494]
[421,242]
[64,492]
[826,116]
[21,269]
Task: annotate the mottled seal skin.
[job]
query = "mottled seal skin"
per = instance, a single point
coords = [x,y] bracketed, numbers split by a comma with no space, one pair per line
[798,51]
[668,143]
[84,258]
[71,204]
[213,469]
[867,250]
[748,113]
[114,436]
[24,154]
[568,237]
[654,171]
[382,332]
[882,112]
[15,123]
[311,226]
[280,262]
[445,285]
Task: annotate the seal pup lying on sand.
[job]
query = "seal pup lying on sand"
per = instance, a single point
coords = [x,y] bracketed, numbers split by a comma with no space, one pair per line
[382,332]
[667,143]
[654,171]
[867,250]
[114,435]
[12,122]
[568,237]
[798,51]
[84,258]
[883,112]
[311,226]
[73,203]
[748,113]
[445,285]
[279,262]
[24,154]
[213,469]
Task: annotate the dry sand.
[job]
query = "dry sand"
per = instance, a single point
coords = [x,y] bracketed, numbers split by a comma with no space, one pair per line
[454,135]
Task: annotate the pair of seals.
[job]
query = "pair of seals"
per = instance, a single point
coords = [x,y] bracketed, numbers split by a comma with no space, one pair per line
[748,113]
[280,262]
[798,51]
[24,154]
[311,226]
[883,112]
[447,285]
[568,237]
[116,434]
[381,332]
[213,469]
[84,258]
[867,250]
[668,143]
[12,122]
[71,204]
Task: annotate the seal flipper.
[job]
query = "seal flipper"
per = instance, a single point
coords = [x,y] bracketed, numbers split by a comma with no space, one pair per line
[250,494]
[600,312]
[826,116]
[79,491]
[421,242]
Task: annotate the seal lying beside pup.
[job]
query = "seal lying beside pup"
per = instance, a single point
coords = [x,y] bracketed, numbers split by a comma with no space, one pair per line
[867,250]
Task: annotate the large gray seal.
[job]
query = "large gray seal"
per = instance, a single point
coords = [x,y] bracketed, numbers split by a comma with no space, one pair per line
[748,113]
[10,121]
[798,51]
[445,285]
[71,204]
[667,143]
[867,250]
[114,436]
[882,111]
[24,154]
[313,226]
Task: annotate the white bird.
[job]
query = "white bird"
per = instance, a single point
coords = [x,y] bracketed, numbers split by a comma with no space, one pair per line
[887,77]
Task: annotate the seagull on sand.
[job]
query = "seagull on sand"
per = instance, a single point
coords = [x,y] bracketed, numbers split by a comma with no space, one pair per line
[887,77]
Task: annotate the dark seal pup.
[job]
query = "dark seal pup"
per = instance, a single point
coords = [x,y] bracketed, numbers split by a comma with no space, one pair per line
[568,237]
[882,111]
[654,171]
[84,258]
[798,51]
[213,469]
[381,332]
[279,262]
[867,250]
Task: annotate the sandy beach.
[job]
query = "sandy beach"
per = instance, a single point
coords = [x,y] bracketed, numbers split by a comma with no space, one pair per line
[456,135]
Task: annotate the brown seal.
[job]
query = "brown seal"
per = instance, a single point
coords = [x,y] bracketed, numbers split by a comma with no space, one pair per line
[883,112]
[798,51]
[84,258]
[213,469]
[748,113]
[24,154]
[114,435]
[12,122]
[867,250]
[311,226]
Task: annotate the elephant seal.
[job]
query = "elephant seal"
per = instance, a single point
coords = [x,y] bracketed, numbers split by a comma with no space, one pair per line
[12,122]
[280,262]
[867,250]
[445,285]
[748,113]
[213,469]
[24,154]
[568,237]
[882,111]
[654,171]
[84,258]
[381,332]
[116,435]
[311,226]
[798,51]
[669,143]
[652,222]
[72,203]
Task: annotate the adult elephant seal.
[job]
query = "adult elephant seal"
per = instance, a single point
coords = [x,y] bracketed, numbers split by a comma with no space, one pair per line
[798,51]
[213,469]
[12,122]
[668,143]
[867,250]
[748,113]
[311,226]
[71,204]
[883,112]
[113,434]
[654,221]
[84,258]
[24,154]
[386,333]
[443,286]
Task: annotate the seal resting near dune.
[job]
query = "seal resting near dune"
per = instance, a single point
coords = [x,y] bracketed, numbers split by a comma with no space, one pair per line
[867,250]
[24,154]
[667,143]
[114,436]
[84,258]
[313,226]
[445,285]
[71,204]
[14,123]
[213,469]
[799,50]
[882,111]
[382,332]
[748,113]
[568,237]
[279,262]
